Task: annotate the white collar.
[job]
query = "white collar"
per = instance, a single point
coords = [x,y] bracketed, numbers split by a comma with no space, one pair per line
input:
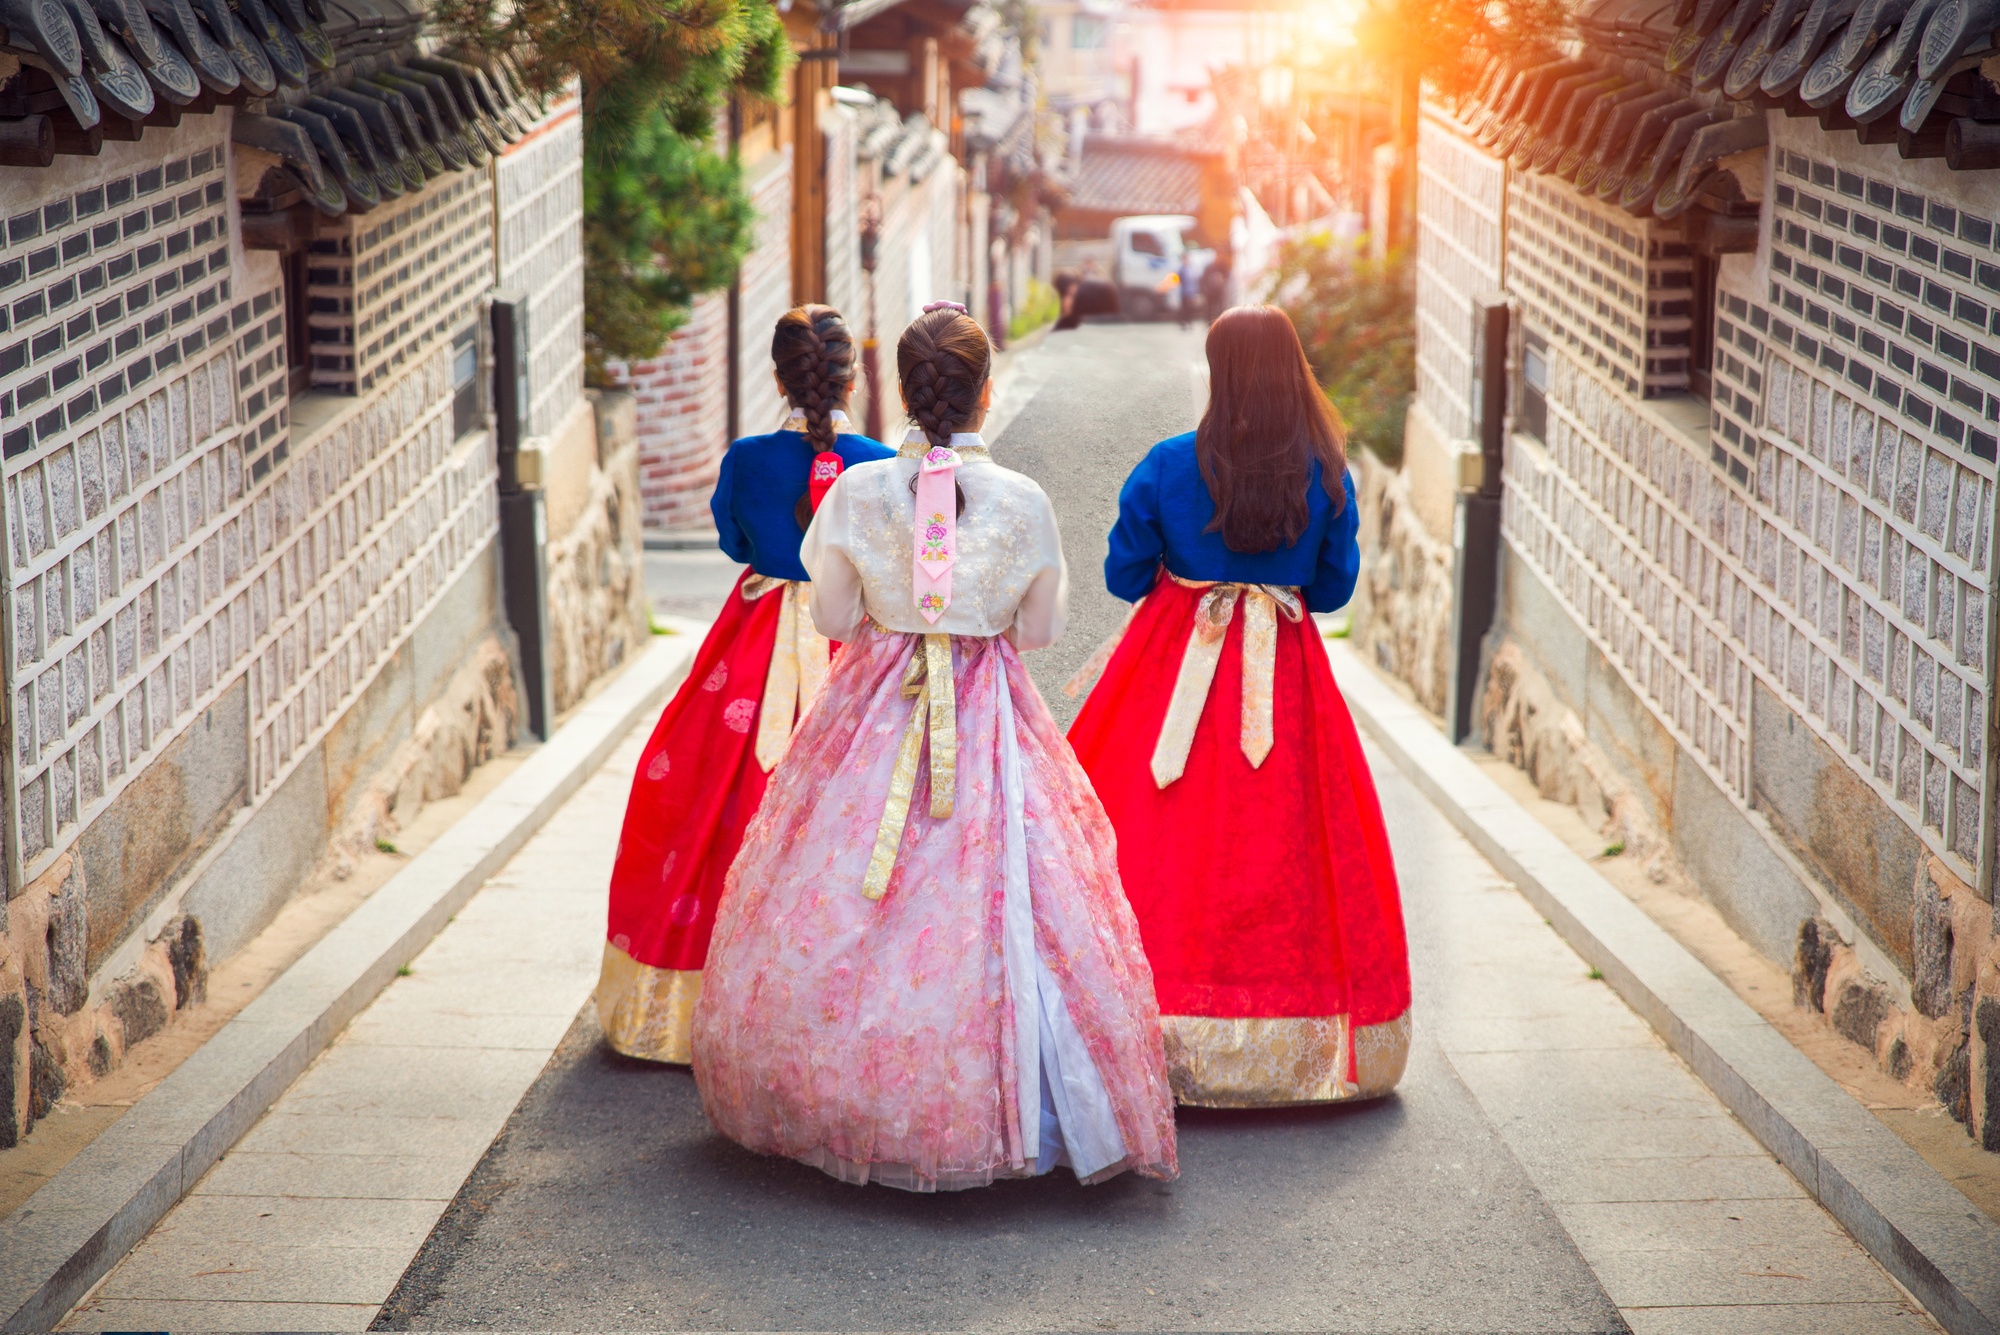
[960,440]
[837,417]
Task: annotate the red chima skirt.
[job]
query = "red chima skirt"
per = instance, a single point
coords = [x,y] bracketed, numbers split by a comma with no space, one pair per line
[1265,892]
[699,782]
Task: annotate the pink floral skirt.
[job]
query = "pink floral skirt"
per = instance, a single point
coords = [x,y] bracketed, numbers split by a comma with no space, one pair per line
[992,1014]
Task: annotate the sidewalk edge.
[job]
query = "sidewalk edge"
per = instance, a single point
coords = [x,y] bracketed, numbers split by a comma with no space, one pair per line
[1914,1223]
[71,1232]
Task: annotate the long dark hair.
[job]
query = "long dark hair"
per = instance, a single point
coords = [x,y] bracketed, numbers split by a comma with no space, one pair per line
[1267,420]
[942,362]
[814,355]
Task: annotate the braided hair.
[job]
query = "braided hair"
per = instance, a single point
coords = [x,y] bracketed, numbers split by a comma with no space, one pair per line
[942,363]
[814,355]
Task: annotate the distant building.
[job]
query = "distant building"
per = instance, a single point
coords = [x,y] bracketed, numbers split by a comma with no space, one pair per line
[923,121]
[1116,177]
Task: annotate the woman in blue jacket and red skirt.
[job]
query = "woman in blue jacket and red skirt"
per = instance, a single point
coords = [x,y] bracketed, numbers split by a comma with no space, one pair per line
[702,775]
[1250,839]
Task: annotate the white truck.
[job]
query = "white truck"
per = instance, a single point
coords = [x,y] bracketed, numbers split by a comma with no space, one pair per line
[1146,257]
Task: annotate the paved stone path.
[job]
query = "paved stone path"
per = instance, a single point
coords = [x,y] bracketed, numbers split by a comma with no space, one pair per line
[310,1221]
[1546,1166]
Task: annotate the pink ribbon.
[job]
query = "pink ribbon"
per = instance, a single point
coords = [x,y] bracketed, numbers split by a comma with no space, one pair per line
[936,535]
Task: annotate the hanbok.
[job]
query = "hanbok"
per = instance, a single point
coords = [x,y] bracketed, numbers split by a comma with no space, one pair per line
[1250,838]
[923,972]
[703,772]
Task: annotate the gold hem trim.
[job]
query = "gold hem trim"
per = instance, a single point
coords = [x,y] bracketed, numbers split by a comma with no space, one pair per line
[1274,1063]
[646,1012]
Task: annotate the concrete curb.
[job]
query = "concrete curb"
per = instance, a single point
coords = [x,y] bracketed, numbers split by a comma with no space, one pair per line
[1912,1221]
[99,1206]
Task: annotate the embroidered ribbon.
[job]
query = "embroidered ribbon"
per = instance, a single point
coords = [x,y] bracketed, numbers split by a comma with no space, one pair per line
[1261,605]
[927,682]
[799,658]
[935,541]
[826,466]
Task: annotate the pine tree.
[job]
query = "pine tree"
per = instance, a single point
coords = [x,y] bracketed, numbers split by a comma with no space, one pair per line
[665,215]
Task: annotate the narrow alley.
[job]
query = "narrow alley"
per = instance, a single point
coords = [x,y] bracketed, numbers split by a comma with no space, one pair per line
[1546,1165]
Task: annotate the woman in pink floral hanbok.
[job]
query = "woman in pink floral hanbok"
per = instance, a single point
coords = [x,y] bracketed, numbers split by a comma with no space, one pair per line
[923,971]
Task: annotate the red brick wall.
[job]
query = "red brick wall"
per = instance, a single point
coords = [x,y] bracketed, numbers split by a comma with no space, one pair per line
[683,411]
[683,394]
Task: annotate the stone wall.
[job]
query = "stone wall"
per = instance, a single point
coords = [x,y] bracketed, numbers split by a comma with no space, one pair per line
[1401,612]
[598,614]
[1756,625]
[244,628]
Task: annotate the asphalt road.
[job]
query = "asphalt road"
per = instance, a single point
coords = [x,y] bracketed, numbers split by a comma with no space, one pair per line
[608,1203]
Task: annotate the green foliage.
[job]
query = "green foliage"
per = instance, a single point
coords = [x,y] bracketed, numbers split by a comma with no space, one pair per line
[1042,307]
[667,219]
[665,216]
[1356,318]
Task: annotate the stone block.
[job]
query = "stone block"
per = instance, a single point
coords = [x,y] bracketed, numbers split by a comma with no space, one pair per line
[141,1010]
[1532,615]
[1430,465]
[68,938]
[1810,962]
[1858,1011]
[570,455]
[1953,1083]
[46,1082]
[1729,858]
[13,1076]
[1931,949]
[172,812]
[111,1314]
[1765,1318]
[1627,731]
[189,960]
[368,1176]
[616,411]
[469,611]
[267,858]
[1986,1024]
[1835,822]
[363,739]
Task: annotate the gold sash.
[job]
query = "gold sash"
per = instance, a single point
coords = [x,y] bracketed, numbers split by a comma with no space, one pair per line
[798,668]
[927,682]
[1261,605]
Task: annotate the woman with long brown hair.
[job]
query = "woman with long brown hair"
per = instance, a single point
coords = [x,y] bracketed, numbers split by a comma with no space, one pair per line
[923,973]
[702,775]
[1250,840]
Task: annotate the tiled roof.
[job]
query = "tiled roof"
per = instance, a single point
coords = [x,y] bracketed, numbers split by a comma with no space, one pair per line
[1642,107]
[1137,176]
[352,111]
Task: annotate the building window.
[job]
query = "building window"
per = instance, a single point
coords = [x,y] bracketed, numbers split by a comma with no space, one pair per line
[1701,337]
[465,414]
[298,331]
[1533,417]
[1086,33]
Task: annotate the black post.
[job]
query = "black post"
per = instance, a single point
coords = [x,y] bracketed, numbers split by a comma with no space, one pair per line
[523,521]
[1477,538]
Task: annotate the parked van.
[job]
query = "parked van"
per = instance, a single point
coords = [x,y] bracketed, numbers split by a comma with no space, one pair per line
[1146,254]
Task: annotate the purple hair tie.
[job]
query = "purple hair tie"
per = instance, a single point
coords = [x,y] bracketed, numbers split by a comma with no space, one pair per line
[946,306]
